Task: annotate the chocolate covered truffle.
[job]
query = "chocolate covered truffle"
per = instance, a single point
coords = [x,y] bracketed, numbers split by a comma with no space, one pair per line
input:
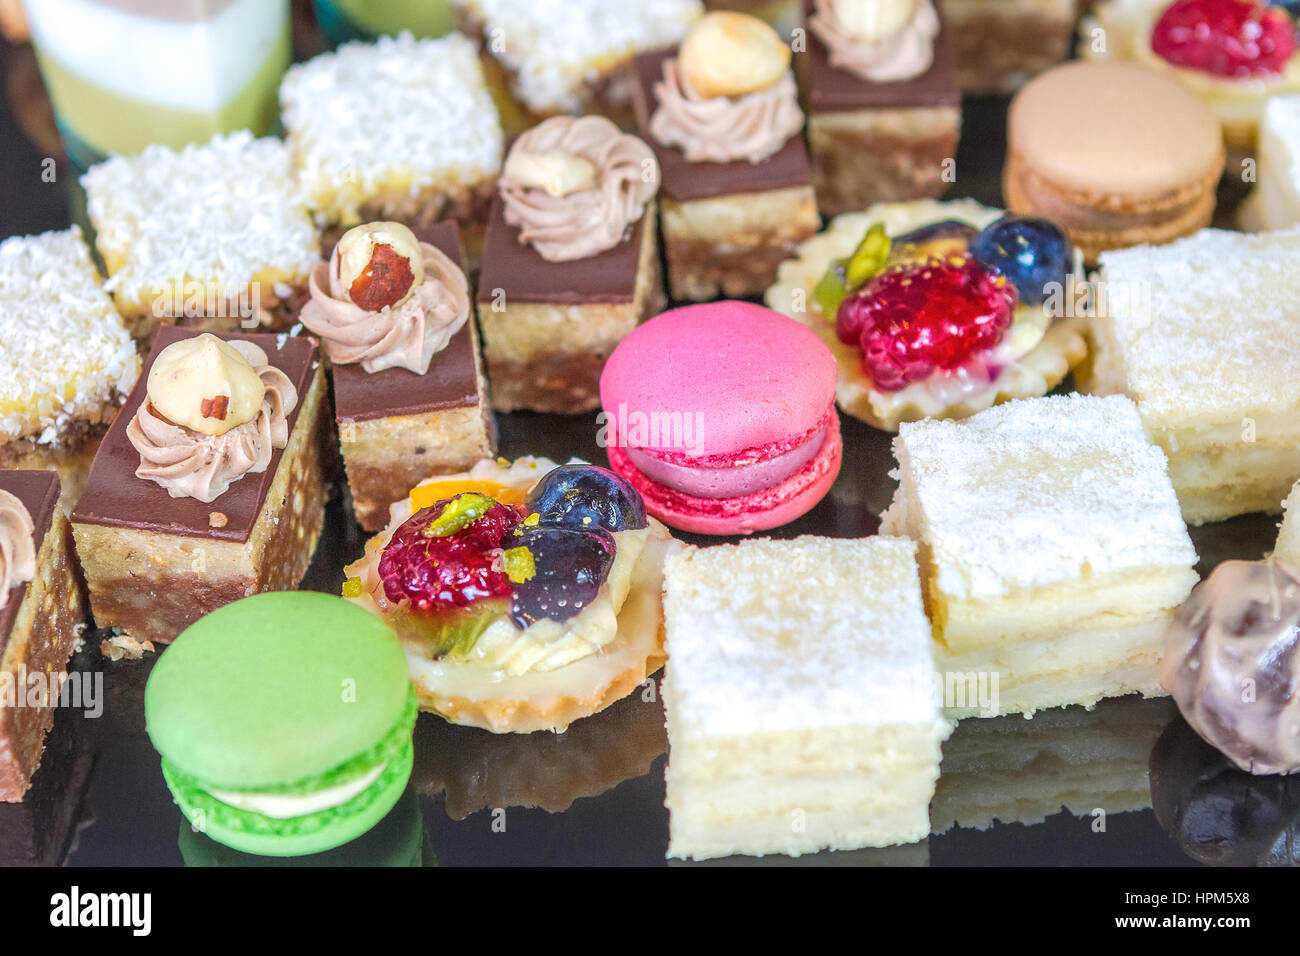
[1231,664]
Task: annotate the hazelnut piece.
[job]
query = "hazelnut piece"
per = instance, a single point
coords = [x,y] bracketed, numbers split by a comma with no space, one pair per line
[732,54]
[558,172]
[205,384]
[379,265]
[873,20]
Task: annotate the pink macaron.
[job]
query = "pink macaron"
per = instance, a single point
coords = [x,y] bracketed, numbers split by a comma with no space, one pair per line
[723,417]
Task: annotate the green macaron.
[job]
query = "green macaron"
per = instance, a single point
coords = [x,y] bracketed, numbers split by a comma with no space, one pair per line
[284,722]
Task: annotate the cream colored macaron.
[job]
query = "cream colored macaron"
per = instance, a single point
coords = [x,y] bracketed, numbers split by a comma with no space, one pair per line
[1117,154]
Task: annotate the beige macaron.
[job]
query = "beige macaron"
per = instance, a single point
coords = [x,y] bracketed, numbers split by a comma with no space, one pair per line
[1116,154]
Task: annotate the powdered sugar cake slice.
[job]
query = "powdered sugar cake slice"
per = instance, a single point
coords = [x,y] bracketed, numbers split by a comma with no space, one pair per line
[799,696]
[398,129]
[1204,334]
[218,231]
[1052,549]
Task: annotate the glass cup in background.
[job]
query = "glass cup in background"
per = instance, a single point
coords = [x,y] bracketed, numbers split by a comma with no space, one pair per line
[344,20]
[122,74]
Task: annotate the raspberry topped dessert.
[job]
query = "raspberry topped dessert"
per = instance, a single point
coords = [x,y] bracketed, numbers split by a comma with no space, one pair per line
[1235,53]
[937,310]
[526,595]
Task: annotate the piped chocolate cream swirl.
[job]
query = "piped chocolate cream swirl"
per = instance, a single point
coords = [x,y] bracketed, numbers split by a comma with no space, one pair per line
[17,545]
[881,43]
[574,186]
[406,334]
[1231,663]
[722,129]
[231,430]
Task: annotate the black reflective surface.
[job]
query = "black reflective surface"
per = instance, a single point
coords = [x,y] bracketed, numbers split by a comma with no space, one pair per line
[595,794]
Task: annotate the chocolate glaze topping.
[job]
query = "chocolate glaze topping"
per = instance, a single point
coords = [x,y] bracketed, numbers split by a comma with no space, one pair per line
[519,273]
[1231,663]
[115,496]
[450,382]
[39,493]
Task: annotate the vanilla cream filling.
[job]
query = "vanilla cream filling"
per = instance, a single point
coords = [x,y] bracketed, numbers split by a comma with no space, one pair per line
[283,806]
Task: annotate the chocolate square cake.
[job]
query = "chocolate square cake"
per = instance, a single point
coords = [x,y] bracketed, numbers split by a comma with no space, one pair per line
[157,559]
[397,428]
[883,140]
[42,617]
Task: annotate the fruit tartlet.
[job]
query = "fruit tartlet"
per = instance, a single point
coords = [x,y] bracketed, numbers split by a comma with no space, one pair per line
[937,310]
[526,595]
[1235,53]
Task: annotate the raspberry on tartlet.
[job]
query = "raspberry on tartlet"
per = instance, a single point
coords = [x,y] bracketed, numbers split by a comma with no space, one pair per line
[936,310]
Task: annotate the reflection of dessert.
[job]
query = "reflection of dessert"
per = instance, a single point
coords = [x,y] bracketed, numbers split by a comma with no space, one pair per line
[398,840]
[1288,536]
[570,57]
[394,317]
[1145,173]
[1220,815]
[1231,663]
[884,108]
[799,718]
[571,262]
[66,360]
[1052,550]
[477,769]
[990,323]
[723,417]
[1012,770]
[1234,54]
[42,615]
[401,129]
[1274,203]
[213,470]
[526,596]
[1216,380]
[214,236]
[212,66]
[723,116]
[283,722]
[999,44]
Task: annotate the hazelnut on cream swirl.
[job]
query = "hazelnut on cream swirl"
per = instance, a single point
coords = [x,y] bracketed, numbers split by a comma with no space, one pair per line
[427,301]
[1232,663]
[17,548]
[214,412]
[729,94]
[573,186]
[883,41]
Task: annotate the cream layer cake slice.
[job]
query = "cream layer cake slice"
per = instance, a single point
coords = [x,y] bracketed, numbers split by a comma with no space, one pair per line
[1012,770]
[1052,551]
[1274,203]
[401,129]
[66,360]
[1204,334]
[1288,538]
[216,235]
[799,696]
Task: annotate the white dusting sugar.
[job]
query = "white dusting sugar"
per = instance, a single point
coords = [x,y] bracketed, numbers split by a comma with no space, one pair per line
[1207,329]
[1038,492]
[397,115]
[555,47]
[224,213]
[767,636]
[64,350]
